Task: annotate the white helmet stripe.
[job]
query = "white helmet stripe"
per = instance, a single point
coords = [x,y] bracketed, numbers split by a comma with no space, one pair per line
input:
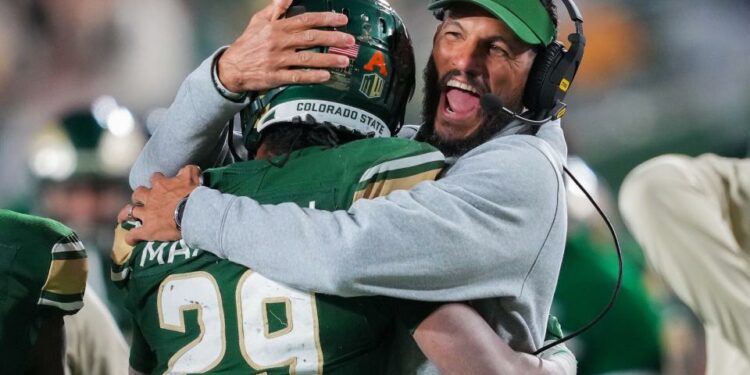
[338,114]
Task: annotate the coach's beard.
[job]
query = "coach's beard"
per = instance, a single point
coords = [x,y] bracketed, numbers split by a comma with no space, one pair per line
[452,147]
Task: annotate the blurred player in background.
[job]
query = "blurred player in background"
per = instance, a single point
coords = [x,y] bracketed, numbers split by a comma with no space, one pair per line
[692,218]
[80,163]
[43,268]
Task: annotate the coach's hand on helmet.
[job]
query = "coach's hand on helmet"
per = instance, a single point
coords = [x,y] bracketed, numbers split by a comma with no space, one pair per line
[271,51]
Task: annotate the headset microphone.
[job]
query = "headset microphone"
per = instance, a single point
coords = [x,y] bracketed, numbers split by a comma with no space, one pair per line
[492,104]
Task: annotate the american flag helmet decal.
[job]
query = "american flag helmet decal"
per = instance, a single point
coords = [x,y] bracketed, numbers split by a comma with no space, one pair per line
[350,52]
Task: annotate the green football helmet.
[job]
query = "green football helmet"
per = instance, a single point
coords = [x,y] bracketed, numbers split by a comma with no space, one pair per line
[101,141]
[367,98]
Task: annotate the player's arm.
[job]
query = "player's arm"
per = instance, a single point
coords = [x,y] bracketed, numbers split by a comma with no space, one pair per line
[458,341]
[48,354]
[142,358]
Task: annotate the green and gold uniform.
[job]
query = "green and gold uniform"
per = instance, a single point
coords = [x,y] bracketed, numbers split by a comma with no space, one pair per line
[42,274]
[194,312]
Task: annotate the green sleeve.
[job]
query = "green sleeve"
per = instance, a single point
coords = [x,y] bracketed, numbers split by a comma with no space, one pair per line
[142,359]
[411,313]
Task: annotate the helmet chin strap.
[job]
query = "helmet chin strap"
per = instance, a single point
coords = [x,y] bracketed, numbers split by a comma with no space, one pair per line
[250,116]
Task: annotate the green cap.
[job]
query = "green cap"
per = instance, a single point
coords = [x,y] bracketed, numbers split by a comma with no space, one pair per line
[527,18]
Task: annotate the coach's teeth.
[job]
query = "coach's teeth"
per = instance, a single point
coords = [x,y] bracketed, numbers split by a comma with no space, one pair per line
[462,86]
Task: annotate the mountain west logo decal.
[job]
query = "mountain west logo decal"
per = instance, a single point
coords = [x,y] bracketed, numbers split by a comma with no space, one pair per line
[372,86]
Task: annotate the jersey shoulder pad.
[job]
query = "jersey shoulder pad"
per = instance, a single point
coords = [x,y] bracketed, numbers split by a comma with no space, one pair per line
[401,164]
[387,148]
[50,254]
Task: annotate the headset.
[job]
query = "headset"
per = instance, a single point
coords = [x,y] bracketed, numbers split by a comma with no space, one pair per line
[549,81]
[553,72]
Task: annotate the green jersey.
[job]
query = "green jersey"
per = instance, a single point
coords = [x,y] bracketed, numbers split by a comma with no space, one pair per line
[42,274]
[197,313]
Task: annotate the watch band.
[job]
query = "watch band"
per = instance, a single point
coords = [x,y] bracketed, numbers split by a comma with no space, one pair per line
[179,211]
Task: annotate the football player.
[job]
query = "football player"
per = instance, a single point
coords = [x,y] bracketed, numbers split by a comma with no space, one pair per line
[43,268]
[195,312]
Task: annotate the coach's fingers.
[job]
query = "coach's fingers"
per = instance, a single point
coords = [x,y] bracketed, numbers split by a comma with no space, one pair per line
[307,59]
[317,38]
[134,236]
[190,172]
[155,178]
[136,213]
[140,196]
[300,77]
[122,216]
[272,11]
[313,20]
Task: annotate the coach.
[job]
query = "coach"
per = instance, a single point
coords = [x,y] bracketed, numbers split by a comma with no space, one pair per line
[491,229]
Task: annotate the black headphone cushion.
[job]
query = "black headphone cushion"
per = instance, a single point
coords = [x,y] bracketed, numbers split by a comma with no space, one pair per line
[544,64]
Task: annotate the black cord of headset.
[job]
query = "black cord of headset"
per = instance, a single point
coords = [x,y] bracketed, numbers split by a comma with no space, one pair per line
[615,292]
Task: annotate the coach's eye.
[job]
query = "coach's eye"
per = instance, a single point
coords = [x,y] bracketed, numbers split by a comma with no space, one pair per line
[498,50]
[452,35]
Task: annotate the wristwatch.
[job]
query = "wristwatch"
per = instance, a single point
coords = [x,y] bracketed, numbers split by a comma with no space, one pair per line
[179,210]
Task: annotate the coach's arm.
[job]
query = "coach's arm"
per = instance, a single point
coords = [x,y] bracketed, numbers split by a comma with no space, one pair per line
[458,341]
[261,58]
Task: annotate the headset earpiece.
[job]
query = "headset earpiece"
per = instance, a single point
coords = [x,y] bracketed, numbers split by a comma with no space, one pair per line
[553,71]
[539,93]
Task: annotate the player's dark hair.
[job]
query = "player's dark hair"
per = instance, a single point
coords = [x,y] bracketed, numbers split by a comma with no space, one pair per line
[283,139]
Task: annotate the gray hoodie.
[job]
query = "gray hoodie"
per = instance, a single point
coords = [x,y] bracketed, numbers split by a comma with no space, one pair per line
[491,230]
